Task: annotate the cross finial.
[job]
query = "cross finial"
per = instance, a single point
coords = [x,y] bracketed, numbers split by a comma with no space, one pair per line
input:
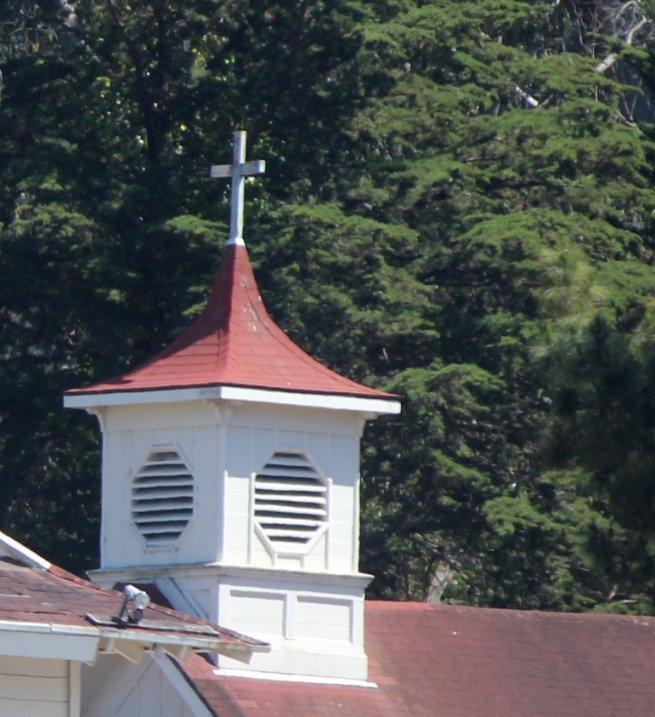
[238,171]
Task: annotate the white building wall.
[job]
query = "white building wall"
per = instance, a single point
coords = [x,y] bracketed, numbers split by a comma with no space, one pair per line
[35,688]
[306,601]
[330,439]
[129,434]
[117,688]
[315,626]
[224,448]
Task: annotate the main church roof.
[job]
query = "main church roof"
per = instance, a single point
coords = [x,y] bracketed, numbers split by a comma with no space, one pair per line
[234,342]
[446,660]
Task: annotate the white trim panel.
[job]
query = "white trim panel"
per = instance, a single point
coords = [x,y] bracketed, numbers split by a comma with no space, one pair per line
[282,677]
[93,634]
[235,393]
[187,694]
[106,577]
[48,641]
[14,549]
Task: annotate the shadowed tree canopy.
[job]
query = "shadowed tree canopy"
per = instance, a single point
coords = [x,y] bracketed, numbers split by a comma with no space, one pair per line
[459,207]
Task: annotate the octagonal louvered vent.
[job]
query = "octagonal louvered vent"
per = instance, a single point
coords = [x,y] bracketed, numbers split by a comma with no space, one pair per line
[290,500]
[162,497]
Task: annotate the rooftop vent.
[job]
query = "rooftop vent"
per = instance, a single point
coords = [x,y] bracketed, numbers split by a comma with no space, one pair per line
[291,501]
[162,497]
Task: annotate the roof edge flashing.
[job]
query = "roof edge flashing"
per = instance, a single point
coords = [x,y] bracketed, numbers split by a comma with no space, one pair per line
[13,549]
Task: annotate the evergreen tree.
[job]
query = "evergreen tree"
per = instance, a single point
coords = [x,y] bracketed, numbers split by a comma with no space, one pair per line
[456,192]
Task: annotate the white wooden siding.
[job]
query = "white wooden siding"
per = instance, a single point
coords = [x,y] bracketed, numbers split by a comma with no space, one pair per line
[34,687]
[117,688]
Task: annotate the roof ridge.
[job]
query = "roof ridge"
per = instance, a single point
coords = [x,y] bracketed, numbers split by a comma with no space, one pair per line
[444,606]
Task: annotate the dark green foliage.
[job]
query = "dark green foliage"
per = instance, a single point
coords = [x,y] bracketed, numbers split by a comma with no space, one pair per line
[420,228]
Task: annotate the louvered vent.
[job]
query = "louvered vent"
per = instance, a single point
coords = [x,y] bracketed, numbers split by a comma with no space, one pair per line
[290,500]
[162,497]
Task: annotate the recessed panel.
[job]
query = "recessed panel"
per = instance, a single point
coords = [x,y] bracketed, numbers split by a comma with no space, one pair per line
[257,613]
[325,619]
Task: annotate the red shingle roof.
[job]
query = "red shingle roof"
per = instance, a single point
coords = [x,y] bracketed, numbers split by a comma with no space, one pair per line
[460,661]
[234,342]
[56,597]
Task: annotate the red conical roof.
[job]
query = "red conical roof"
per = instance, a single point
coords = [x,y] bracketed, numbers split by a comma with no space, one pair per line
[234,342]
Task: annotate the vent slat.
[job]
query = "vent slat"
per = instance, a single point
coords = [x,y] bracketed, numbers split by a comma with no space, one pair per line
[290,485]
[290,499]
[153,528]
[292,533]
[162,497]
[161,538]
[284,457]
[173,477]
[146,506]
[165,469]
[289,471]
[305,514]
[155,493]
[163,483]
[162,457]
[289,540]
[178,516]
[281,519]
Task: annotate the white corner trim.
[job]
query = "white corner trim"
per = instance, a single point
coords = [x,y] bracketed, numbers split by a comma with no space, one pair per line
[187,694]
[282,677]
[335,402]
[74,688]
[14,549]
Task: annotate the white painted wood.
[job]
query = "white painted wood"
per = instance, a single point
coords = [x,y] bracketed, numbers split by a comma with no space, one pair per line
[307,679]
[108,684]
[323,619]
[46,641]
[193,704]
[34,687]
[238,171]
[245,560]
[49,689]
[13,549]
[375,406]
[32,708]
[155,688]
[29,666]
[131,434]
[74,689]
[311,400]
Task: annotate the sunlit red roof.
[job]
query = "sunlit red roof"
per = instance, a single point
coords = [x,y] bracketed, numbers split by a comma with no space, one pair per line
[56,597]
[438,660]
[234,342]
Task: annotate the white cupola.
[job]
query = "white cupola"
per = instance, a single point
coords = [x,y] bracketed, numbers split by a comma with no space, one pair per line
[230,477]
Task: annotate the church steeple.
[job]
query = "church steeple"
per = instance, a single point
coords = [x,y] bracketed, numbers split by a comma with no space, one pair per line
[230,477]
[234,342]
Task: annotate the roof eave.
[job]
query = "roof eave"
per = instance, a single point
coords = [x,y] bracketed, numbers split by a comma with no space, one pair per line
[377,405]
[80,643]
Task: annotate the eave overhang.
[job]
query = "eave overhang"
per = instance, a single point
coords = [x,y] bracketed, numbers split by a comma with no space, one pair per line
[337,402]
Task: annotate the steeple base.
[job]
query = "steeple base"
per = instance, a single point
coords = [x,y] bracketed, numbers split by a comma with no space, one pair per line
[314,622]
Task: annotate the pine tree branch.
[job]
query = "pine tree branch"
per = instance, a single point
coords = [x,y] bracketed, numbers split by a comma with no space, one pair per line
[603,66]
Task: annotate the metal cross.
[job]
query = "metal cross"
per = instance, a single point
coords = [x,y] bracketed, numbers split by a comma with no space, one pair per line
[238,171]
